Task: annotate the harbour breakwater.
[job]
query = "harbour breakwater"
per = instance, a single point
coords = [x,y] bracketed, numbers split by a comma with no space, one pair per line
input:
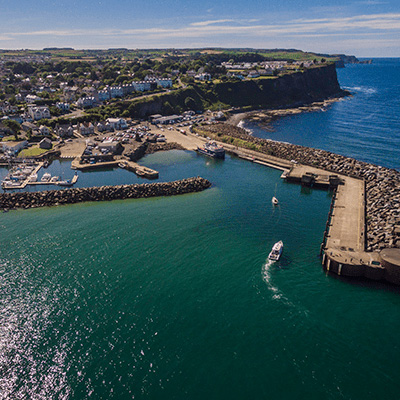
[382,185]
[104,193]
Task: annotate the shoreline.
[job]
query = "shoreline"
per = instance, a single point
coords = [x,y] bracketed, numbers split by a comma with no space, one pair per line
[265,116]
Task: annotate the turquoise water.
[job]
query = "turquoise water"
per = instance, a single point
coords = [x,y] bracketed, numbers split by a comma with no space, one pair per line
[173,298]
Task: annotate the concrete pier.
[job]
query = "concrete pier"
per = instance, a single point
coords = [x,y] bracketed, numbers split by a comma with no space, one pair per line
[343,248]
[139,170]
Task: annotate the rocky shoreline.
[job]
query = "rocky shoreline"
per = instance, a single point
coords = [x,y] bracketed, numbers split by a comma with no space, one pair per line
[50,198]
[265,117]
[382,184]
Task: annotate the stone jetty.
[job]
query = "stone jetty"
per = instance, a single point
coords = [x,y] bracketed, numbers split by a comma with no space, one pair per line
[382,185]
[49,198]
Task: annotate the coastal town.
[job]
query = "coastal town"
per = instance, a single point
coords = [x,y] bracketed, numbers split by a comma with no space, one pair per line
[89,131]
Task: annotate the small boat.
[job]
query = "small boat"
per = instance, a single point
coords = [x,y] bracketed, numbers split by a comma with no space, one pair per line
[121,165]
[275,201]
[33,178]
[276,251]
[212,149]
[54,179]
[46,177]
[67,182]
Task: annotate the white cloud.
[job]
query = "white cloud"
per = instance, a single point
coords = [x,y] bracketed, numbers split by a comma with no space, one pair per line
[206,23]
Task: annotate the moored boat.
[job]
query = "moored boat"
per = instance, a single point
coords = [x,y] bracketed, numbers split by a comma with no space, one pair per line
[212,149]
[276,251]
[67,182]
[46,177]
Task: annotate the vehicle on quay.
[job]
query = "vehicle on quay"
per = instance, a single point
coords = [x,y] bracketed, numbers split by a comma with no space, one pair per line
[212,149]
[276,251]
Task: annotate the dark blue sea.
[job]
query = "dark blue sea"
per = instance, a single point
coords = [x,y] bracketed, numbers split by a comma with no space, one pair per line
[174,298]
[365,126]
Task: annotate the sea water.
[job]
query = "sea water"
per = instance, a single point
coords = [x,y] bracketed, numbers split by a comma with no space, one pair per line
[174,298]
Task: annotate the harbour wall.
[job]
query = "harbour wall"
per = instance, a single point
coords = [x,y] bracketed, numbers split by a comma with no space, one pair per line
[104,193]
[382,185]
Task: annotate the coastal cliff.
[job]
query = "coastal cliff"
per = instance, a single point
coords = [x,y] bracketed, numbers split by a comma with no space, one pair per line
[302,87]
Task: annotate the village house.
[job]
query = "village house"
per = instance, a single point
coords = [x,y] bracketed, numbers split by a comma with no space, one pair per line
[86,102]
[45,144]
[63,106]
[117,123]
[64,131]
[203,76]
[39,112]
[70,93]
[86,128]
[31,98]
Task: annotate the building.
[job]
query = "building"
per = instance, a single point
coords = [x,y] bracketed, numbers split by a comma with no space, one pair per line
[64,131]
[45,144]
[39,112]
[13,148]
[104,95]
[117,123]
[63,106]
[86,128]
[111,147]
[203,77]
[31,98]
[86,102]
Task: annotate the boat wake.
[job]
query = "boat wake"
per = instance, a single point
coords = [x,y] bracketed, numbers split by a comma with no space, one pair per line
[266,275]
[362,89]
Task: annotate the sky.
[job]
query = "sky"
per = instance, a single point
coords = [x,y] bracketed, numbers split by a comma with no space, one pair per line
[364,28]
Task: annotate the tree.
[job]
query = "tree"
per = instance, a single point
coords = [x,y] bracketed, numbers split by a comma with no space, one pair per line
[13,125]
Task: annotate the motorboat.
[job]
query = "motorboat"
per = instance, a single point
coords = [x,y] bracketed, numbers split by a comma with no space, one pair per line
[67,182]
[276,251]
[33,178]
[46,177]
[212,149]
[275,201]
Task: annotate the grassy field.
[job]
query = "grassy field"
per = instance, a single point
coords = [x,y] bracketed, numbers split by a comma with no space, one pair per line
[32,152]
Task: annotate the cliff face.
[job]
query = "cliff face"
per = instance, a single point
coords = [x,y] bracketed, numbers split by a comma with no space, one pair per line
[292,89]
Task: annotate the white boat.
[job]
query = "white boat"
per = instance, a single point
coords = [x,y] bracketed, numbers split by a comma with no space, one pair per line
[54,179]
[33,178]
[276,251]
[46,177]
[67,182]
[275,201]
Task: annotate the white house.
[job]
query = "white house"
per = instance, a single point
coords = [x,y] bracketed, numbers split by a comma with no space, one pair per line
[117,123]
[39,112]
[31,98]
[204,76]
